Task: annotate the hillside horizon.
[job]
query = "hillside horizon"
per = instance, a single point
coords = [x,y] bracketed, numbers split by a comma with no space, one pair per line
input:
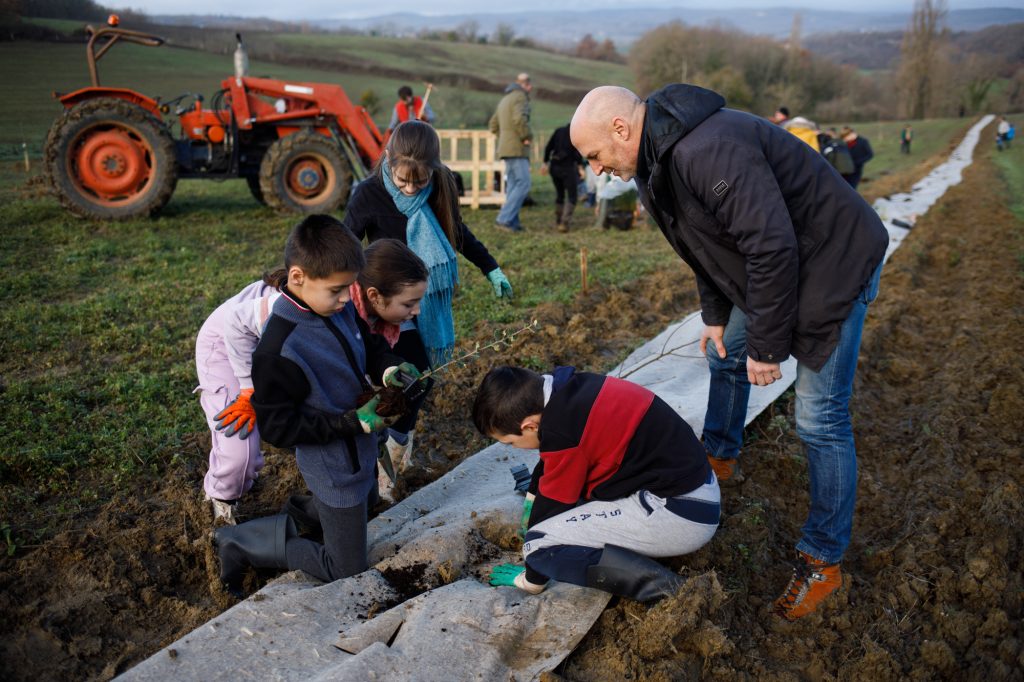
[563,27]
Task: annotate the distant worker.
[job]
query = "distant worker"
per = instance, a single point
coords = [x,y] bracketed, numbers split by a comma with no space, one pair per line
[860,150]
[780,116]
[803,128]
[565,165]
[409,107]
[1003,134]
[511,123]
[906,137]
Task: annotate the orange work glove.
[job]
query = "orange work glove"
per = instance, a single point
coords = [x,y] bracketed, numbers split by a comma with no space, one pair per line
[238,417]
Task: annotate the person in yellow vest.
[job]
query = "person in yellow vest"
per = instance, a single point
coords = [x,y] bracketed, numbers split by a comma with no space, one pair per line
[803,128]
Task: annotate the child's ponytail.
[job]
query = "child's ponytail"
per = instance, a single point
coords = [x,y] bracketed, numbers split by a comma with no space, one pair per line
[276,278]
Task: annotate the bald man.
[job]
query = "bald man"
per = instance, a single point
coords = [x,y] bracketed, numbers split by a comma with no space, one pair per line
[787,257]
[511,123]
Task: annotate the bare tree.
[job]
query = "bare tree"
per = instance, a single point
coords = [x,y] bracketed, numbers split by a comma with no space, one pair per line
[920,59]
[503,34]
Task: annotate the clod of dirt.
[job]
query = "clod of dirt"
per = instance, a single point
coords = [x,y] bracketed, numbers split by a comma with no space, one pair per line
[499,532]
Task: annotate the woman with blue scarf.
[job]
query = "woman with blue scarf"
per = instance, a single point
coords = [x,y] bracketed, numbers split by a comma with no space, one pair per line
[411,196]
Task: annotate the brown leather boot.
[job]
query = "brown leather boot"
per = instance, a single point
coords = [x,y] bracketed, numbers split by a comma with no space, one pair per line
[812,582]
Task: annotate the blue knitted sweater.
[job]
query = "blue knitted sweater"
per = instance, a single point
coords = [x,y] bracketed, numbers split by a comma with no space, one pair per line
[306,391]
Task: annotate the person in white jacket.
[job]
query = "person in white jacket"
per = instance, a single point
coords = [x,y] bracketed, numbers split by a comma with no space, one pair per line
[224,349]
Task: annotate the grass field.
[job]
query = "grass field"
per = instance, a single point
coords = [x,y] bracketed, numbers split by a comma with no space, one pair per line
[493,63]
[33,71]
[1011,167]
[100,320]
[930,136]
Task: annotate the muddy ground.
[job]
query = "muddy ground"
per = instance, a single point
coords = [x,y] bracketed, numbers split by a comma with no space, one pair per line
[933,578]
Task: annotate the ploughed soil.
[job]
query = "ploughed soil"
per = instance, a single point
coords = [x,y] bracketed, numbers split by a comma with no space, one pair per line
[933,579]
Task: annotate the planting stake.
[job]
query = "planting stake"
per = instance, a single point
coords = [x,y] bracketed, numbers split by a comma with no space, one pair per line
[583,267]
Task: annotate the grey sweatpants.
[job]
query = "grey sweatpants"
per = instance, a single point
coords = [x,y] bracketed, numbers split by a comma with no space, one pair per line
[643,522]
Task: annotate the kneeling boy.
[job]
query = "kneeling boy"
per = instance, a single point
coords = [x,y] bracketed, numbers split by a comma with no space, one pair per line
[621,478]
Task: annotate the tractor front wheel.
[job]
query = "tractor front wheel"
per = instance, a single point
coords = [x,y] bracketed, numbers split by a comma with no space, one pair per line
[253,182]
[110,159]
[305,172]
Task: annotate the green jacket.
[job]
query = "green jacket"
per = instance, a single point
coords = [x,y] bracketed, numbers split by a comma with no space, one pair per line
[511,123]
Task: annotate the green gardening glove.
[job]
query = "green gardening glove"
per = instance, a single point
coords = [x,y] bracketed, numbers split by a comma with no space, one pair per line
[502,287]
[524,522]
[368,417]
[510,575]
[504,575]
[392,375]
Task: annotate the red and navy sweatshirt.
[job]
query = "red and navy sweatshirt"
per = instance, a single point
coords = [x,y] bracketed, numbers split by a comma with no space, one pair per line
[603,438]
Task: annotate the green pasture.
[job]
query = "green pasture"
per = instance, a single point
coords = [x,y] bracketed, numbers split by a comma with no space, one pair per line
[97,355]
[1011,167]
[931,136]
[32,72]
[452,61]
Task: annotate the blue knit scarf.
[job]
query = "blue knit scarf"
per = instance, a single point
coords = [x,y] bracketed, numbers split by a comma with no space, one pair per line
[427,240]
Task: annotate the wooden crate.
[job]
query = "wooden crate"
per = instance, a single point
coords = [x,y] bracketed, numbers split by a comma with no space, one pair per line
[473,152]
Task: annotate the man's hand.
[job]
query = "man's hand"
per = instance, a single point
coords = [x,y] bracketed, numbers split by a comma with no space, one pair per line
[238,417]
[763,373]
[715,334]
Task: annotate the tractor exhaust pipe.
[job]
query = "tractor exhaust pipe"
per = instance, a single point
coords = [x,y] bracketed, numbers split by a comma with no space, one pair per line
[241,61]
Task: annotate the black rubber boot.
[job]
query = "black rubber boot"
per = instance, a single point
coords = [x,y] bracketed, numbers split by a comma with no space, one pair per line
[304,514]
[628,574]
[259,543]
[558,216]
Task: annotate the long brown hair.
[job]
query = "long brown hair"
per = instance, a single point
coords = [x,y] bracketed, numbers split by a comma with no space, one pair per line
[415,147]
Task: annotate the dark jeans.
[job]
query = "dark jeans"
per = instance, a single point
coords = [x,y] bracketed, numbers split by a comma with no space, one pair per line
[823,423]
[343,551]
[566,180]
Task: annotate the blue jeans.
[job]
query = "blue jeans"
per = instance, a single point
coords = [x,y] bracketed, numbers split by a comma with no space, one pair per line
[822,422]
[517,186]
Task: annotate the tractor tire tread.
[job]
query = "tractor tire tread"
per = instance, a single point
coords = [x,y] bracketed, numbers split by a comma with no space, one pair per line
[271,169]
[59,179]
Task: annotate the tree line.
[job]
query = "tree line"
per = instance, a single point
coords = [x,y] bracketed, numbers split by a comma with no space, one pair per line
[934,76]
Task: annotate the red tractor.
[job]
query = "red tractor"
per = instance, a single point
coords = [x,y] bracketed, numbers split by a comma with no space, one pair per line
[113,153]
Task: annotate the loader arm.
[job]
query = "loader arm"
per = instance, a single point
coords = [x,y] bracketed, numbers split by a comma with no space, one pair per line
[303,101]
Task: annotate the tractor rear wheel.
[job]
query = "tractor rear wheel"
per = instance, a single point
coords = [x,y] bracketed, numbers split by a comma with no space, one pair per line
[305,172]
[110,159]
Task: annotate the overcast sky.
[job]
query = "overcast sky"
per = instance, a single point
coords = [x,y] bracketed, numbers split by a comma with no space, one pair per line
[345,9]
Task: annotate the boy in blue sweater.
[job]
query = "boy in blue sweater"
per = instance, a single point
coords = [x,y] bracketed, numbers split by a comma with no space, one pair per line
[308,371]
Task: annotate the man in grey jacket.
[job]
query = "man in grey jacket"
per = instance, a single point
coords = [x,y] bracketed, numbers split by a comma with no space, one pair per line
[511,123]
[787,257]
